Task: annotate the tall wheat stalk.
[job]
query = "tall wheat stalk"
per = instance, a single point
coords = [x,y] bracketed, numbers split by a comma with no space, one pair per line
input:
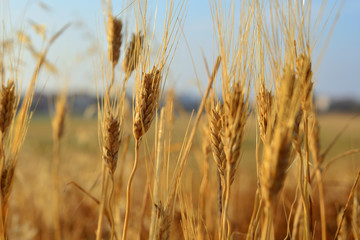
[110,121]
[58,125]
[277,149]
[145,106]
[15,120]
[237,54]
[150,84]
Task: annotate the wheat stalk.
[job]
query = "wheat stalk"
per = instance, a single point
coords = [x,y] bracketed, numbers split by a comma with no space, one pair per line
[58,125]
[277,149]
[145,105]
[9,106]
[203,190]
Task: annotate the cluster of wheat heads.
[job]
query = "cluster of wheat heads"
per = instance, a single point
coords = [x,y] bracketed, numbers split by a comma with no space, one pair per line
[269,49]
[15,115]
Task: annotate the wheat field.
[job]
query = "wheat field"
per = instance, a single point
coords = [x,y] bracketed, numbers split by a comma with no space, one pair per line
[255,160]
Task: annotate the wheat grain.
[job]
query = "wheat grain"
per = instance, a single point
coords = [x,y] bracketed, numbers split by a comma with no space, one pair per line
[7,174]
[235,118]
[111,140]
[7,106]
[163,222]
[217,145]
[304,75]
[264,106]
[58,122]
[146,102]
[114,33]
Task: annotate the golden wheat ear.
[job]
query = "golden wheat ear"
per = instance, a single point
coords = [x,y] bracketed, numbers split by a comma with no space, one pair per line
[58,122]
[146,102]
[217,145]
[7,106]
[112,141]
[132,53]
[7,174]
[265,101]
[114,33]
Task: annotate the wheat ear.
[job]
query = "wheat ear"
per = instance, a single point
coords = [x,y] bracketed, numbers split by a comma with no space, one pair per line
[146,103]
[132,54]
[7,107]
[217,147]
[277,149]
[115,35]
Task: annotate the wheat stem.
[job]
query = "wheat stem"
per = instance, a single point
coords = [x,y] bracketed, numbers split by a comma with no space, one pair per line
[102,201]
[128,190]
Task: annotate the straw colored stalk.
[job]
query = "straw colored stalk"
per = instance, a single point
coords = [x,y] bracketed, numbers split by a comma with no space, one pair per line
[277,149]
[235,116]
[304,76]
[58,123]
[315,148]
[165,214]
[18,133]
[164,144]
[111,130]
[344,213]
[264,106]
[157,175]
[119,185]
[346,228]
[24,115]
[146,103]
[203,191]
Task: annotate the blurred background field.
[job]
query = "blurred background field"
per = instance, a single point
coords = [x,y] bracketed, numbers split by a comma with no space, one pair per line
[81,163]
[81,141]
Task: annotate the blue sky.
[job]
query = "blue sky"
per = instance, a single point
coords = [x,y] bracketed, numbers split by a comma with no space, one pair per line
[337,76]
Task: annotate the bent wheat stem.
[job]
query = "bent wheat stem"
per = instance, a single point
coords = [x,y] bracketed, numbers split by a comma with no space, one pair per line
[128,190]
